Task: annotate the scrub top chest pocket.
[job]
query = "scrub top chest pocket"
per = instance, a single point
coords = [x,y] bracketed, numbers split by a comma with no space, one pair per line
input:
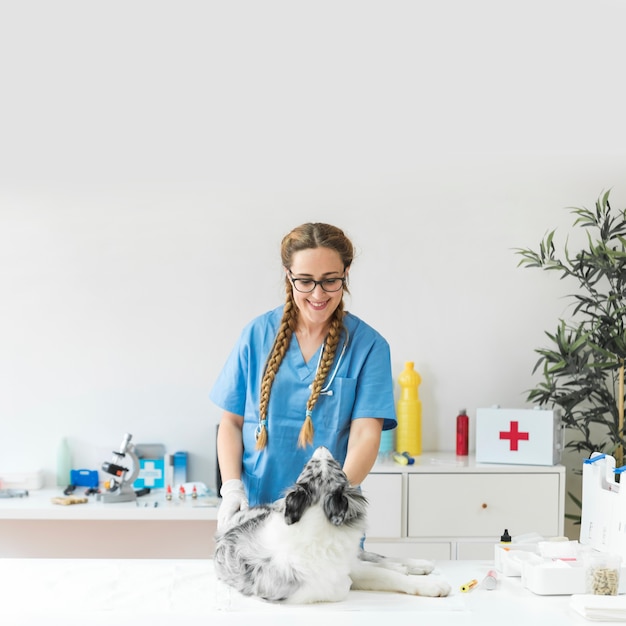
[334,406]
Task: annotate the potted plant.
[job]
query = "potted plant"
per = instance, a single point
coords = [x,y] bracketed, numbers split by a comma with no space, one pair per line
[582,363]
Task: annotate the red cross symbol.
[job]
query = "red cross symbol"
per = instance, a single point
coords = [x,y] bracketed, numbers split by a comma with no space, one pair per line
[514,436]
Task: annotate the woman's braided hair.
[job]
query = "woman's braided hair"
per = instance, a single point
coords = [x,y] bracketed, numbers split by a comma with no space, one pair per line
[304,237]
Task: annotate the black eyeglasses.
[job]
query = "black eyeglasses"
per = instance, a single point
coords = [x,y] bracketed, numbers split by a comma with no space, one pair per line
[307,285]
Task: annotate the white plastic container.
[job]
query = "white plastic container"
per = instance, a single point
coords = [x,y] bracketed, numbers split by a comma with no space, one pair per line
[509,558]
[553,577]
[602,573]
[21,480]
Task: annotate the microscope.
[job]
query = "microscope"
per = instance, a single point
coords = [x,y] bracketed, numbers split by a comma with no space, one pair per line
[120,485]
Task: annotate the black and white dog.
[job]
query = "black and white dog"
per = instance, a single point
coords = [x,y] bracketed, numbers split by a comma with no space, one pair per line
[305,548]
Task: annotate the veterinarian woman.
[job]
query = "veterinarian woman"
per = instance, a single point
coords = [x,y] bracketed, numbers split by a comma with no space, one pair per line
[304,375]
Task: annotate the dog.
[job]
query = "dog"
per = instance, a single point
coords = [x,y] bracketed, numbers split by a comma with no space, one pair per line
[305,547]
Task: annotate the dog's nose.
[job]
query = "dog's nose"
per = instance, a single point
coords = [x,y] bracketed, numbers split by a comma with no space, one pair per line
[322,453]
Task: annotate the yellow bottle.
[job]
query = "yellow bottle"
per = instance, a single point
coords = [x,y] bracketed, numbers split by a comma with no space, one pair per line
[409,412]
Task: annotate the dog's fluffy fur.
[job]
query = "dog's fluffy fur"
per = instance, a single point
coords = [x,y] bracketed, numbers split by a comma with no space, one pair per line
[305,547]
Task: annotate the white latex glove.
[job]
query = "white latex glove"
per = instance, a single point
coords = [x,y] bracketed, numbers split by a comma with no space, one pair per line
[233,500]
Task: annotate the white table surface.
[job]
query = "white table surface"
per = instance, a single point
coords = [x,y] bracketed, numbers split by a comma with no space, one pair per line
[38,592]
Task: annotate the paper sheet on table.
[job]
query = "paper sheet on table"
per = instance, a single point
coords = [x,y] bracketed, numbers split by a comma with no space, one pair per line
[600,608]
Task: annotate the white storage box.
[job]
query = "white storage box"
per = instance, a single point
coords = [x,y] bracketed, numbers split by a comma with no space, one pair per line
[561,568]
[603,520]
[518,436]
[509,558]
[548,577]
[22,480]
[554,577]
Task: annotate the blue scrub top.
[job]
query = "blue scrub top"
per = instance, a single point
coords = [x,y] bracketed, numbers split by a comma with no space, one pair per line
[362,386]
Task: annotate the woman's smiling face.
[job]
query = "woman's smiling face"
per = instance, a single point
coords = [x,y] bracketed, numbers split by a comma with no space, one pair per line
[317,264]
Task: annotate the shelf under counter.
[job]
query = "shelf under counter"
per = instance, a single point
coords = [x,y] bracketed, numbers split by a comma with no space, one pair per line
[33,527]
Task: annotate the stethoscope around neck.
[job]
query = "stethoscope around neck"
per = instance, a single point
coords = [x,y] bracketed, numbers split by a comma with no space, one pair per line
[326,390]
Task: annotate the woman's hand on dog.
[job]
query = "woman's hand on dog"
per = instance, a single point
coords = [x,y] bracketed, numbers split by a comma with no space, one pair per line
[233,500]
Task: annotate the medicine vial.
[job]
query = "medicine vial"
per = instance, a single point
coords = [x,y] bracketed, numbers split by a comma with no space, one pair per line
[462,433]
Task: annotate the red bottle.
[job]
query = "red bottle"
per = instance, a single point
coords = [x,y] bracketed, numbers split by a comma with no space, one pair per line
[462,434]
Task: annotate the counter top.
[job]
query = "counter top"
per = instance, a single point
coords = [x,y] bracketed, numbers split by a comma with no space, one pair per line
[153,506]
[448,463]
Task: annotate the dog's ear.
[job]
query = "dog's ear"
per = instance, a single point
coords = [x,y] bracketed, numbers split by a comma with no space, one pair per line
[297,501]
[345,506]
[336,507]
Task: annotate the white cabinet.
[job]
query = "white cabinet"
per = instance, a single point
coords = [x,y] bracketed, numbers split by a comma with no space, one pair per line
[443,507]
[385,517]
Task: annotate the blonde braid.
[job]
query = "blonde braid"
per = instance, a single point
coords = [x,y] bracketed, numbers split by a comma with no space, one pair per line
[279,349]
[332,341]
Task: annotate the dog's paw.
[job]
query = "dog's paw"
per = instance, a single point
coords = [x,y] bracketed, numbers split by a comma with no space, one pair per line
[418,566]
[433,586]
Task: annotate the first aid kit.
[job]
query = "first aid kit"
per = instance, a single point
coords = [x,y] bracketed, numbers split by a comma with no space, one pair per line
[519,436]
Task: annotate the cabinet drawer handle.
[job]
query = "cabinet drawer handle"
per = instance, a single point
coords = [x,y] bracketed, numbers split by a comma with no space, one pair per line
[484,505]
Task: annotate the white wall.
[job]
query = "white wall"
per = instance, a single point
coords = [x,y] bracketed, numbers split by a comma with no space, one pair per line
[154,154]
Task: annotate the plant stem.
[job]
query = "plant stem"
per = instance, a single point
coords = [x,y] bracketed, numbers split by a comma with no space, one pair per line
[619,452]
